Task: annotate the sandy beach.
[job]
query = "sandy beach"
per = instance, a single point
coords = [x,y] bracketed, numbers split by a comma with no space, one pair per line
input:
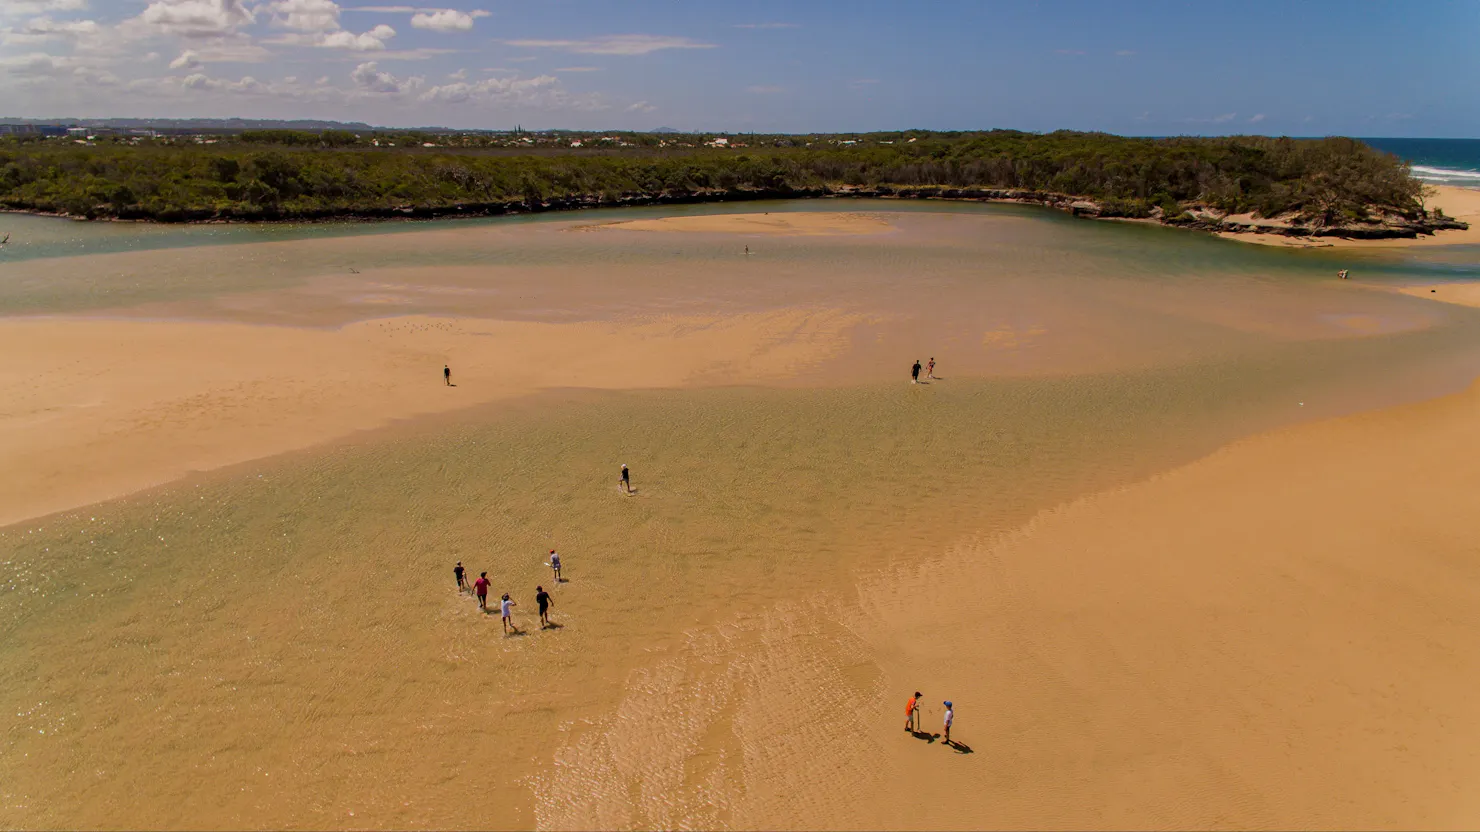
[1146,531]
[1459,203]
[791,225]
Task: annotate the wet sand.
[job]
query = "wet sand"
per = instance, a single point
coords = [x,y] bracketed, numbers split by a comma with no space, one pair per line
[808,224]
[123,405]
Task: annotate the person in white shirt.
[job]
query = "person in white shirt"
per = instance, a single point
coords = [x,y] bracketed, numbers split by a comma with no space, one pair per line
[506,608]
[949,718]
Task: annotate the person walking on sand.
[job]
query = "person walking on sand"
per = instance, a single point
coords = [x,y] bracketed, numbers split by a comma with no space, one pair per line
[930,369]
[506,609]
[555,564]
[457,571]
[542,598]
[911,713]
[626,482]
[480,588]
[949,718]
[447,375]
[915,372]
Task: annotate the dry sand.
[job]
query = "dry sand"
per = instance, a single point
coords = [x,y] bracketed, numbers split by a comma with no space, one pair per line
[1459,203]
[94,409]
[1274,637]
[790,224]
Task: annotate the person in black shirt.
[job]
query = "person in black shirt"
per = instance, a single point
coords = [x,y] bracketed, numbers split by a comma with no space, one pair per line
[458,571]
[915,372]
[626,480]
[542,598]
[447,375]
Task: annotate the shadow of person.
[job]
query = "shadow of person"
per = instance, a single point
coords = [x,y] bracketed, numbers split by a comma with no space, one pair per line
[924,735]
[562,580]
[553,625]
[960,747]
[515,633]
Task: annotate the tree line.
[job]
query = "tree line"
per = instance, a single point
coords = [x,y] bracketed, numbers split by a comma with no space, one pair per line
[291,174]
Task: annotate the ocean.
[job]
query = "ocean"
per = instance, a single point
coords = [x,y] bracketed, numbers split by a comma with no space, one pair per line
[1440,161]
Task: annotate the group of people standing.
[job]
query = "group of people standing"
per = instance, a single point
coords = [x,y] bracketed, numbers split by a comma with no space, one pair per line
[479,588]
[912,718]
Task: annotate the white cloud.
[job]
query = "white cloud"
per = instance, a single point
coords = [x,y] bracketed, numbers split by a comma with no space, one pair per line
[20,8]
[1226,117]
[614,44]
[1256,118]
[305,15]
[1068,51]
[371,41]
[46,27]
[36,64]
[369,78]
[446,20]
[541,92]
[765,90]
[384,9]
[1125,53]
[641,107]
[198,18]
[188,59]
[767,26]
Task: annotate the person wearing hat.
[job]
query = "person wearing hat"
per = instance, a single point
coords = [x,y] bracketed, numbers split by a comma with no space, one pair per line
[911,713]
[949,718]
[626,480]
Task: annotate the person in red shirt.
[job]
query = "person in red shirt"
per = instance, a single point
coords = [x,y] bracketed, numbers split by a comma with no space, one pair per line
[911,710]
[480,586]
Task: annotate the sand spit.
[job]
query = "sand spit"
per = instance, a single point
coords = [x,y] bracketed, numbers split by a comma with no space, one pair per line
[123,405]
[1459,203]
[796,224]
[1276,636]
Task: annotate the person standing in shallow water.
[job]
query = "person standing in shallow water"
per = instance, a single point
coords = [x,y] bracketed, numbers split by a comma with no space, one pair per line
[626,480]
[542,598]
[480,587]
[462,582]
[555,564]
[506,610]
[447,375]
[930,368]
[915,372]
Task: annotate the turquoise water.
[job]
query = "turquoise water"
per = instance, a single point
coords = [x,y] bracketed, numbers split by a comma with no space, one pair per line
[1441,161]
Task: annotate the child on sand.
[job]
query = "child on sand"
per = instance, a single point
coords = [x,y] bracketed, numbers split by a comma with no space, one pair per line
[447,375]
[506,609]
[626,482]
[457,571]
[930,368]
[949,718]
[911,709]
[555,565]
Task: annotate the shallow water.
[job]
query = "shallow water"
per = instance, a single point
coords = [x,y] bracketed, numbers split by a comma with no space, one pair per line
[280,644]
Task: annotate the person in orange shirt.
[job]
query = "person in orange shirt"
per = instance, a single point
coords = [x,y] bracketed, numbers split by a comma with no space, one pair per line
[911,713]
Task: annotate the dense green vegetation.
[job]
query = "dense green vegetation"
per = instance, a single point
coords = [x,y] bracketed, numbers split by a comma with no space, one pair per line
[282,173]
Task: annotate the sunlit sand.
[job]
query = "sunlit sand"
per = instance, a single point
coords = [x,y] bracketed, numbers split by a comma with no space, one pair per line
[795,224]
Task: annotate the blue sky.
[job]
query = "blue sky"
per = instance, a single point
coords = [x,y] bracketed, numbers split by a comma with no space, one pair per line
[1301,67]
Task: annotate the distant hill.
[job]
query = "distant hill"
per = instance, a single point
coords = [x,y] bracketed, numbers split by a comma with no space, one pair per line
[665,130]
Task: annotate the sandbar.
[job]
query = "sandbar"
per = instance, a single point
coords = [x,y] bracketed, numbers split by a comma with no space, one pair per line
[97,408]
[789,224]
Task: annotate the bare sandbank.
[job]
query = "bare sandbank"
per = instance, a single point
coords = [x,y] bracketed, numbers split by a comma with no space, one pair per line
[790,224]
[126,404]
